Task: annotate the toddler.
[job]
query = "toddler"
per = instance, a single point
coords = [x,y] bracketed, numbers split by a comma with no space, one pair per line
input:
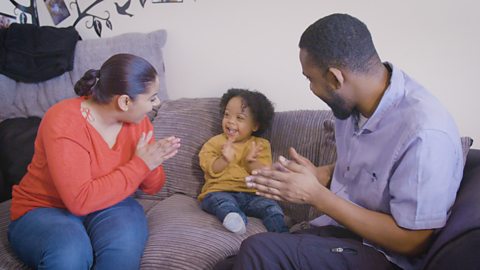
[228,158]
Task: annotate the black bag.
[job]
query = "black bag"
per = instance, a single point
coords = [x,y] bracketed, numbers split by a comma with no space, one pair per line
[30,53]
[17,138]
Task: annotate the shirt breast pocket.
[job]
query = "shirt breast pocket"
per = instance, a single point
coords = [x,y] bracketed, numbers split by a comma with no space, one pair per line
[370,190]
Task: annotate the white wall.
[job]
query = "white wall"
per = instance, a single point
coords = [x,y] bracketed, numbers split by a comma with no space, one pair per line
[216,44]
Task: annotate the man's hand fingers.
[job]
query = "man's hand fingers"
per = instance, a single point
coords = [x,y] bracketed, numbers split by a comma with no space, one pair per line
[297,157]
[292,165]
[263,185]
[279,167]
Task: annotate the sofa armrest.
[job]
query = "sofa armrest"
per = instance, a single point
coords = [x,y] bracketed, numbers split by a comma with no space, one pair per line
[473,160]
[460,253]
[461,230]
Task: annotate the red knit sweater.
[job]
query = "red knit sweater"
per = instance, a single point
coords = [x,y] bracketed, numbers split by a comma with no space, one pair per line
[74,168]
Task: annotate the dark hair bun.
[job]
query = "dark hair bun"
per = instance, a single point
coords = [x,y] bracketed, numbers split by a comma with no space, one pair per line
[84,86]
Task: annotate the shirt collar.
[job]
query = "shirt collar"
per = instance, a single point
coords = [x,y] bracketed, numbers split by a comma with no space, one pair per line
[390,98]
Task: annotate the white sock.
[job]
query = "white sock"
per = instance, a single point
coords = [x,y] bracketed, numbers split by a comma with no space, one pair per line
[234,223]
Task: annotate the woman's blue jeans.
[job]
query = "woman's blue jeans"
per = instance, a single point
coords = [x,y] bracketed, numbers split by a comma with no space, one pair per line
[246,204]
[52,238]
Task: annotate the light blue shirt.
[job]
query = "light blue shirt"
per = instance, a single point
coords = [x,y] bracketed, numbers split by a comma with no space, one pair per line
[405,161]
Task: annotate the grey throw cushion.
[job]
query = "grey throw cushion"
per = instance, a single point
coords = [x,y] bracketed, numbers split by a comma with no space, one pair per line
[33,99]
[91,53]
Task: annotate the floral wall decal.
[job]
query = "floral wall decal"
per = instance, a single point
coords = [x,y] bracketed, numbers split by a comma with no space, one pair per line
[95,21]
[91,20]
[24,13]
[93,14]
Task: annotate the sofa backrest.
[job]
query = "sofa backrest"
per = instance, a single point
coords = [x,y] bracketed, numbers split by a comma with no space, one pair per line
[196,120]
[19,99]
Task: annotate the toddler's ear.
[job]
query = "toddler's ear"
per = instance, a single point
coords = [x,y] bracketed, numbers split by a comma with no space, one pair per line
[255,127]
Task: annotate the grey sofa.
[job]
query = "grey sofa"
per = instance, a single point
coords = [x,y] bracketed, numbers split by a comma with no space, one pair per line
[182,236]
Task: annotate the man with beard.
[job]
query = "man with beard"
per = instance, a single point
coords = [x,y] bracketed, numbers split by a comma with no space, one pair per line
[399,163]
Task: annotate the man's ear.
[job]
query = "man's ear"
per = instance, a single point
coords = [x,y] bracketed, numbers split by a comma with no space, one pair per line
[335,78]
[123,102]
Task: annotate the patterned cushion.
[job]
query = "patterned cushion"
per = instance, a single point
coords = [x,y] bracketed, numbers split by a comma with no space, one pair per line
[194,121]
[91,53]
[311,133]
[182,236]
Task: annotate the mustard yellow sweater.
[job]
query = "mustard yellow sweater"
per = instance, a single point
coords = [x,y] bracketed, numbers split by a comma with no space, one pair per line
[232,178]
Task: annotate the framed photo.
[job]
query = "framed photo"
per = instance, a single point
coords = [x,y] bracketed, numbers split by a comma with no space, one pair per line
[58,10]
[6,20]
[167,1]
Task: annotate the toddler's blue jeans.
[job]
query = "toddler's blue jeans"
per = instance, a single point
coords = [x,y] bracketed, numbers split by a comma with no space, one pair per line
[246,204]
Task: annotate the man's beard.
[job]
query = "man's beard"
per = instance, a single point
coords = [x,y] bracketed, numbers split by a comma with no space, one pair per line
[340,108]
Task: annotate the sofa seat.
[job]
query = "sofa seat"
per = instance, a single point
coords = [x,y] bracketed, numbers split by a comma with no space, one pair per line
[7,257]
[181,236]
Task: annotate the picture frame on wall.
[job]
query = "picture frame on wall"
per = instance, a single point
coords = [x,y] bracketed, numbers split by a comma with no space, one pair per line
[58,10]
[6,20]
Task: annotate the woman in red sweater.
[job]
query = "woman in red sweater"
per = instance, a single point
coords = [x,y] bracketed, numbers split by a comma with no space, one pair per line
[73,209]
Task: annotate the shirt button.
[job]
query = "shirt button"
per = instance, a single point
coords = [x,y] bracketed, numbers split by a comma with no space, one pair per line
[348,168]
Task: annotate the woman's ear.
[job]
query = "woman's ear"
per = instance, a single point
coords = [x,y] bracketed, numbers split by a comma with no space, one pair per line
[335,78]
[123,102]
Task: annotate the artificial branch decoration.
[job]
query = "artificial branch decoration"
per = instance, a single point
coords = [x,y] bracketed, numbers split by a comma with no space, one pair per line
[32,10]
[96,21]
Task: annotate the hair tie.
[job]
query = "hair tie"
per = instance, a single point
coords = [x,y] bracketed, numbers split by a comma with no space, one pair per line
[97,78]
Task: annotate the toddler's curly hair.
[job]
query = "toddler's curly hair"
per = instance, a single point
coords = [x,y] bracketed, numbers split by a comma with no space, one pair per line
[260,106]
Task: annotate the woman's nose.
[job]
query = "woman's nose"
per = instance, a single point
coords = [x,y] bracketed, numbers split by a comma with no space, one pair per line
[156,102]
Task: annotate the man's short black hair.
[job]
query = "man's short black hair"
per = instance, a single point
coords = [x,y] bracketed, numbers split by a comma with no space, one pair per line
[341,41]
[260,106]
